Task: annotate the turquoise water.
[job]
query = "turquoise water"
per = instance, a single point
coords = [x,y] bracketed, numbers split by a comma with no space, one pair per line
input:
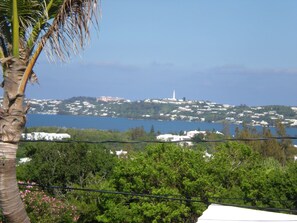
[123,124]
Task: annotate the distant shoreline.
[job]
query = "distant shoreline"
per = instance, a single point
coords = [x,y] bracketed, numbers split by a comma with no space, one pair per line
[124,124]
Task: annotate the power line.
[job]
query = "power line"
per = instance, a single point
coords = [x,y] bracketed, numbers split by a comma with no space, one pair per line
[165,197]
[162,142]
[169,197]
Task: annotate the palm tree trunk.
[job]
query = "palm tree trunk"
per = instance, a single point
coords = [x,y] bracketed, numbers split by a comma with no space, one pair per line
[12,122]
[13,208]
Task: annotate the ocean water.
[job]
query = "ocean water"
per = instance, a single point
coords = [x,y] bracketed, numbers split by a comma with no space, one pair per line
[123,124]
[118,124]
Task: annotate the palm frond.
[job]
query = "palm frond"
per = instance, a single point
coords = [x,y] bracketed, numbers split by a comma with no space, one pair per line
[5,25]
[5,37]
[69,30]
[42,22]
[3,48]
[28,12]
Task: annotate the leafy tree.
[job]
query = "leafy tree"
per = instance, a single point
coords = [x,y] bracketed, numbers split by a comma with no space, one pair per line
[228,167]
[271,148]
[65,164]
[226,129]
[286,145]
[270,185]
[26,28]
[242,176]
[159,170]
[137,133]
[234,174]
[152,131]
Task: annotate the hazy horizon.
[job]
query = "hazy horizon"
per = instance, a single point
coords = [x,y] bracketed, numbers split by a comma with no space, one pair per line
[227,51]
[156,98]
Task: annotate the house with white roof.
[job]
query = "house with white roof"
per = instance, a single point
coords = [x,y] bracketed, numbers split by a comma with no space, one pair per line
[216,213]
[187,137]
[45,136]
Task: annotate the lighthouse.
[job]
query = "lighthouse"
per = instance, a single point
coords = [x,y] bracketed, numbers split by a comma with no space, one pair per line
[173,96]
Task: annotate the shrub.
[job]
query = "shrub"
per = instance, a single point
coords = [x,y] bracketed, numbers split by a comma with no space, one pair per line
[43,208]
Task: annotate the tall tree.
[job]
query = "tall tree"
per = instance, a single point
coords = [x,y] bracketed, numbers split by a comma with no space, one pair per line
[27,27]
[286,145]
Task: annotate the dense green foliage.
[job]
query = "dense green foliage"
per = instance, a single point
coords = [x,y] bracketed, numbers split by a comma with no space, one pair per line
[281,150]
[186,179]
[64,164]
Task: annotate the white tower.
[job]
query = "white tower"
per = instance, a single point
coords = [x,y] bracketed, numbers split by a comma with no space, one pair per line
[173,96]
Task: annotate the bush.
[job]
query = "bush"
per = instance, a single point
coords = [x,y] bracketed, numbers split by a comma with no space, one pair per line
[43,208]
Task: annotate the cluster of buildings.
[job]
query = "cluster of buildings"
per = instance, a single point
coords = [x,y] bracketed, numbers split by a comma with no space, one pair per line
[109,99]
[168,109]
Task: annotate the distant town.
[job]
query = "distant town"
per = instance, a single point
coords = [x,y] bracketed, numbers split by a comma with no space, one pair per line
[167,109]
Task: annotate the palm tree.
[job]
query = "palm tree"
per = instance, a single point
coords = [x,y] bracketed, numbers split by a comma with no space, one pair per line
[27,27]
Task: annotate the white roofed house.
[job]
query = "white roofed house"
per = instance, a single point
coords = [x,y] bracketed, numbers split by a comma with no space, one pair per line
[216,213]
[187,137]
[175,138]
[45,136]
[195,132]
[120,153]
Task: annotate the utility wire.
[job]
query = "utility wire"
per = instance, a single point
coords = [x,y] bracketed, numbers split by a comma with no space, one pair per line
[162,142]
[165,197]
[170,197]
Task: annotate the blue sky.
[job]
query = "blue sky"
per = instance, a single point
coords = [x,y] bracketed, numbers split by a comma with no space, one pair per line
[226,51]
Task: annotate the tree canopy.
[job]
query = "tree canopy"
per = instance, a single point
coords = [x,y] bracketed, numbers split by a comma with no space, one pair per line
[161,182]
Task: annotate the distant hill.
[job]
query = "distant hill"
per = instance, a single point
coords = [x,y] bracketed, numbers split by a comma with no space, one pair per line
[167,109]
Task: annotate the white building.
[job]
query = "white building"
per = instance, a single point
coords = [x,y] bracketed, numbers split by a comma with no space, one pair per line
[195,132]
[120,153]
[187,137]
[25,160]
[229,214]
[172,138]
[45,136]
